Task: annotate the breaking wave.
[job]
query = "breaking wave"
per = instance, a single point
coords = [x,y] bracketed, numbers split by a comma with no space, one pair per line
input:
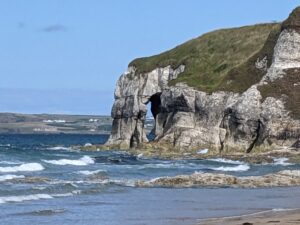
[232,168]
[10,162]
[282,162]
[84,161]
[89,172]
[221,160]
[10,177]
[60,148]
[21,198]
[26,167]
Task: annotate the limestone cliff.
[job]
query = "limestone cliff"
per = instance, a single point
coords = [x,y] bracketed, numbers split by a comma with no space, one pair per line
[247,101]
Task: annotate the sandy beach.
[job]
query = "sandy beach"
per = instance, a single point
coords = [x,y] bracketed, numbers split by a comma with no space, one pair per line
[278,217]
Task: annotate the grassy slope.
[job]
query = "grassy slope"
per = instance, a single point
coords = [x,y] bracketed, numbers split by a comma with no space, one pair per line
[288,88]
[225,60]
[213,60]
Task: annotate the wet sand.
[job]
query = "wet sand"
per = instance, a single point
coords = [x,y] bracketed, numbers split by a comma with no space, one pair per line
[279,217]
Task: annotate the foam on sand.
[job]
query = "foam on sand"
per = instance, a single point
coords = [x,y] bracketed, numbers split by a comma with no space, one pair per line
[84,161]
[26,167]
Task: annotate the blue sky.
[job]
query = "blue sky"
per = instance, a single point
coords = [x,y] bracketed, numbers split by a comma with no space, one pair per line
[66,55]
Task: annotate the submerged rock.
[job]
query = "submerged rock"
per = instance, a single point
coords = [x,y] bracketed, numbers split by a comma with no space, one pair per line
[283,178]
[31,180]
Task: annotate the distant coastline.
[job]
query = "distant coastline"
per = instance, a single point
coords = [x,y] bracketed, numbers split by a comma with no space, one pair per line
[15,123]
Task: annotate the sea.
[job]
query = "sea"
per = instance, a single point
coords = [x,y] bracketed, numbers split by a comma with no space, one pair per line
[46,179]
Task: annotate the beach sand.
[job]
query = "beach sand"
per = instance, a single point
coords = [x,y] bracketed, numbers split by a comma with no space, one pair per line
[279,217]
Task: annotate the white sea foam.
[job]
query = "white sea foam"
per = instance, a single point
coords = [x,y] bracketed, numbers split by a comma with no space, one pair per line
[221,160]
[56,148]
[22,198]
[168,165]
[140,156]
[283,210]
[90,172]
[5,145]
[75,192]
[158,166]
[10,162]
[39,187]
[26,167]
[10,177]
[85,160]
[244,167]
[282,162]
[202,151]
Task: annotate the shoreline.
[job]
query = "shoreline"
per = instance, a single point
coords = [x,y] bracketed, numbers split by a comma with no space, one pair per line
[258,156]
[273,216]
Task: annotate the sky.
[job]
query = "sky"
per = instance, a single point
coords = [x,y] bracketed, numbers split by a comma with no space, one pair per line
[65,56]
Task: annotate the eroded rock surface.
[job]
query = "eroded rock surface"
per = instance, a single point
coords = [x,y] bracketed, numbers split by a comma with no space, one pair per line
[188,118]
[282,178]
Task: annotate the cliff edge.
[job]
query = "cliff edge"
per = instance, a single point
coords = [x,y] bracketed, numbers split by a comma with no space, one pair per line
[228,89]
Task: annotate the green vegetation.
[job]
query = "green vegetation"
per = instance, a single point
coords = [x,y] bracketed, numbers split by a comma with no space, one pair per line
[217,60]
[293,21]
[288,88]
[243,76]
[224,60]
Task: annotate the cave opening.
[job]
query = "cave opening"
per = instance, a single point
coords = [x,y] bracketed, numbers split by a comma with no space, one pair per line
[153,108]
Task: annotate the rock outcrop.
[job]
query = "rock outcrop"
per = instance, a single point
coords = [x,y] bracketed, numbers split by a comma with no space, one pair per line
[185,117]
[280,179]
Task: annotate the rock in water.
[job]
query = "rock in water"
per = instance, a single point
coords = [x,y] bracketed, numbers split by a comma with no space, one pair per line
[282,178]
[251,99]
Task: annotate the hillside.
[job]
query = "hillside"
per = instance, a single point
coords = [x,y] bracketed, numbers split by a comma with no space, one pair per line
[218,60]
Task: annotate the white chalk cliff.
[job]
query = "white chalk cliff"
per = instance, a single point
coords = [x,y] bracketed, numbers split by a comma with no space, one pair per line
[189,118]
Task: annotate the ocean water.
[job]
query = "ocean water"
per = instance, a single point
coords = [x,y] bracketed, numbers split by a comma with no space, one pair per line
[45,181]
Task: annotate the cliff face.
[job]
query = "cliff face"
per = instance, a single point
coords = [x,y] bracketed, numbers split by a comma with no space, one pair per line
[266,113]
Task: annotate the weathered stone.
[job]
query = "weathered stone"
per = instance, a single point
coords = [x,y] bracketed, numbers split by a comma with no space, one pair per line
[282,178]
[188,118]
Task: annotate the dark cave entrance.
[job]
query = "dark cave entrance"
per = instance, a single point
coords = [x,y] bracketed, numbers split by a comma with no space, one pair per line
[153,108]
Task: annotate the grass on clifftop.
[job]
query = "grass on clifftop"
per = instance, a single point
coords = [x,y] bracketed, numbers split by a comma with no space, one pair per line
[210,58]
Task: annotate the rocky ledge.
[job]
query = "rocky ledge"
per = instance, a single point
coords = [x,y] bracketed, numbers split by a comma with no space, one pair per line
[282,178]
[253,104]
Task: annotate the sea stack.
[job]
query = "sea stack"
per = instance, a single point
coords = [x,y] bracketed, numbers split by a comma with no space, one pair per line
[236,89]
